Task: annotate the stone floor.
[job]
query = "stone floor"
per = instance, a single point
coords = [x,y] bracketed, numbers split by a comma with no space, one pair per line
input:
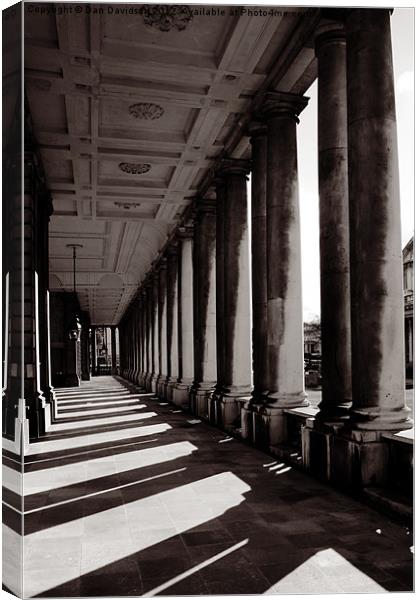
[128,495]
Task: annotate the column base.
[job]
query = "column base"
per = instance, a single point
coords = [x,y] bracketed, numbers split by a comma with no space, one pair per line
[278,400]
[160,386]
[153,383]
[199,399]
[85,376]
[214,410]
[142,382]
[349,459]
[378,419]
[137,378]
[148,382]
[248,411]
[181,394]
[169,388]
[230,408]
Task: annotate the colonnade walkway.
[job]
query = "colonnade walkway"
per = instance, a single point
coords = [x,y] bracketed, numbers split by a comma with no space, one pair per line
[128,495]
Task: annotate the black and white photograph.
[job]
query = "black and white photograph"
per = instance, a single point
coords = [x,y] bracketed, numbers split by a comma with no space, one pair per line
[207,299]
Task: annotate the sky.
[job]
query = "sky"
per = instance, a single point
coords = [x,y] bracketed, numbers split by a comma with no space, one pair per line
[402,24]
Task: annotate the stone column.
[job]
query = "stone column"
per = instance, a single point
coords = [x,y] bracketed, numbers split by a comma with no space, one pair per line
[132,321]
[377,308]
[143,337]
[138,309]
[334,223]
[149,348]
[204,278]
[185,320]
[284,281]
[172,320]
[93,350]
[214,404]
[121,347]
[258,139]
[113,352]
[155,332]
[163,332]
[237,369]
[259,259]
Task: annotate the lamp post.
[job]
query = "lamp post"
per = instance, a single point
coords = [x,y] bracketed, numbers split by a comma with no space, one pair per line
[74,331]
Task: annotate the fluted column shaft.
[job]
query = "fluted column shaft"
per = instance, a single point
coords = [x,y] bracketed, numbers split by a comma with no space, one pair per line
[377,309]
[334,223]
[284,284]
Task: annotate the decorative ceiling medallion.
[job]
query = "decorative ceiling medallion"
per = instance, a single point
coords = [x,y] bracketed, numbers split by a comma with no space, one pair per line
[166,17]
[134,168]
[146,110]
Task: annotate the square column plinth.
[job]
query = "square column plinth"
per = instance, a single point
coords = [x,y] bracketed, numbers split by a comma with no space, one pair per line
[349,459]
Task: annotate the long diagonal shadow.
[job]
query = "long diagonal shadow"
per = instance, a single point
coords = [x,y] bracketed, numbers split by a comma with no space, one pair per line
[223,519]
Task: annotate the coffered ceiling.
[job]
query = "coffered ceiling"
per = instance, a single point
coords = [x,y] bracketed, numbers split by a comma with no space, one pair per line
[131,112]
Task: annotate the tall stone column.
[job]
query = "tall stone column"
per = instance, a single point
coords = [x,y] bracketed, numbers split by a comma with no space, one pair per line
[377,308]
[121,347]
[204,277]
[138,309]
[214,404]
[185,320]
[93,350]
[133,333]
[113,352]
[155,332]
[143,341]
[258,139]
[172,320]
[284,280]
[149,338]
[334,223]
[237,369]
[162,325]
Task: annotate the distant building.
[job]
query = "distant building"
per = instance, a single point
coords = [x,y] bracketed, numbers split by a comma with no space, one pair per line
[312,337]
[408,273]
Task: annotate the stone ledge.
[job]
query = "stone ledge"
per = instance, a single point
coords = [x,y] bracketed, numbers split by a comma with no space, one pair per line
[404,437]
[302,411]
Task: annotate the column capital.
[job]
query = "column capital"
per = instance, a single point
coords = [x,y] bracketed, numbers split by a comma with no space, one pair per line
[233,166]
[329,32]
[257,129]
[186,232]
[282,104]
[204,205]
